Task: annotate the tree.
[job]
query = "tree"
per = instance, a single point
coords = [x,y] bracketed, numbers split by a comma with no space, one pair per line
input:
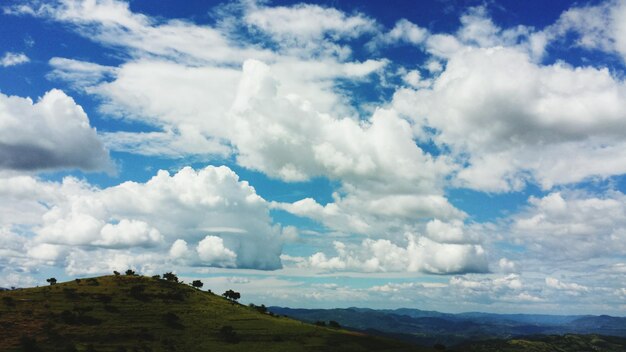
[130,272]
[231,295]
[170,277]
[334,324]
[52,281]
[197,284]
[116,273]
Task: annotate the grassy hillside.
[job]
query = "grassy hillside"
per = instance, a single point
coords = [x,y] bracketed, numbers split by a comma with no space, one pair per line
[553,343]
[136,313]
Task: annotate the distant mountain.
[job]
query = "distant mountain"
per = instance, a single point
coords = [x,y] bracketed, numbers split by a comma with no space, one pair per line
[430,327]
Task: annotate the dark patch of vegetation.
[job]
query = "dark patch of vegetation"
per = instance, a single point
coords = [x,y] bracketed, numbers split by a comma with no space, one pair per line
[197,284]
[70,293]
[169,276]
[138,292]
[172,320]
[320,323]
[261,309]
[333,324]
[51,281]
[8,301]
[228,334]
[79,317]
[29,344]
[231,295]
[130,272]
[92,282]
[116,273]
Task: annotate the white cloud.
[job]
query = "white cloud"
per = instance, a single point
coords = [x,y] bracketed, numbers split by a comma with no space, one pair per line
[13,59]
[559,285]
[80,74]
[511,282]
[573,225]
[601,26]
[112,23]
[419,255]
[212,252]
[163,214]
[53,133]
[128,233]
[305,28]
[507,266]
[498,110]
[403,32]
[179,249]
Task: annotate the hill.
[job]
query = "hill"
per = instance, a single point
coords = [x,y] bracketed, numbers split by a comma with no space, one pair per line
[551,343]
[136,313]
[430,327]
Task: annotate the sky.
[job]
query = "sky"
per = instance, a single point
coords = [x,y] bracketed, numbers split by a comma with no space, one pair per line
[443,155]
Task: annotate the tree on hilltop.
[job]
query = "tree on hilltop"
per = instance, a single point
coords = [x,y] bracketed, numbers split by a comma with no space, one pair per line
[231,295]
[170,277]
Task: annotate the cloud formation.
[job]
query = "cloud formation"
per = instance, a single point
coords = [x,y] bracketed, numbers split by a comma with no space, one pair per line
[52,133]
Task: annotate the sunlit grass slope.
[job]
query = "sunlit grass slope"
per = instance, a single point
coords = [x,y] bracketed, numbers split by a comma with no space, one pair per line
[136,313]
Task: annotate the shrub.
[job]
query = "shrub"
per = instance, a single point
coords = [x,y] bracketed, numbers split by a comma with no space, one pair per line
[170,277]
[130,272]
[228,334]
[8,301]
[334,324]
[51,281]
[172,320]
[92,282]
[137,292]
[156,277]
[197,284]
[116,273]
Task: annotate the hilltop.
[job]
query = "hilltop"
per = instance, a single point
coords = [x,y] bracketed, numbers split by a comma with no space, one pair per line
[137,313]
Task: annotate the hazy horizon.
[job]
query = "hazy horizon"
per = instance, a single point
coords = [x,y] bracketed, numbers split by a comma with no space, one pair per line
[439,155]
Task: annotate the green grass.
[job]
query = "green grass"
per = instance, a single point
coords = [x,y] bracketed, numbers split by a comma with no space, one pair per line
[136,313]
[549,343]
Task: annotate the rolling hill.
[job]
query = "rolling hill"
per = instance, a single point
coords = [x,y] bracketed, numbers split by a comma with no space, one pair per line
[431,327]
[136,313]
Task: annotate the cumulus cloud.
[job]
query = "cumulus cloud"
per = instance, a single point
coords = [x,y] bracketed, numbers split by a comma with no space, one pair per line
[211,251]
[403,32]
[13,59]
[183,206]
[419,255]
[202,218]
[498,110]
[52,133]
[304,27]
[600,26]
[573,225]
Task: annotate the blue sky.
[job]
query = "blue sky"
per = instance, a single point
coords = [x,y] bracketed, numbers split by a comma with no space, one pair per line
[449,155]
